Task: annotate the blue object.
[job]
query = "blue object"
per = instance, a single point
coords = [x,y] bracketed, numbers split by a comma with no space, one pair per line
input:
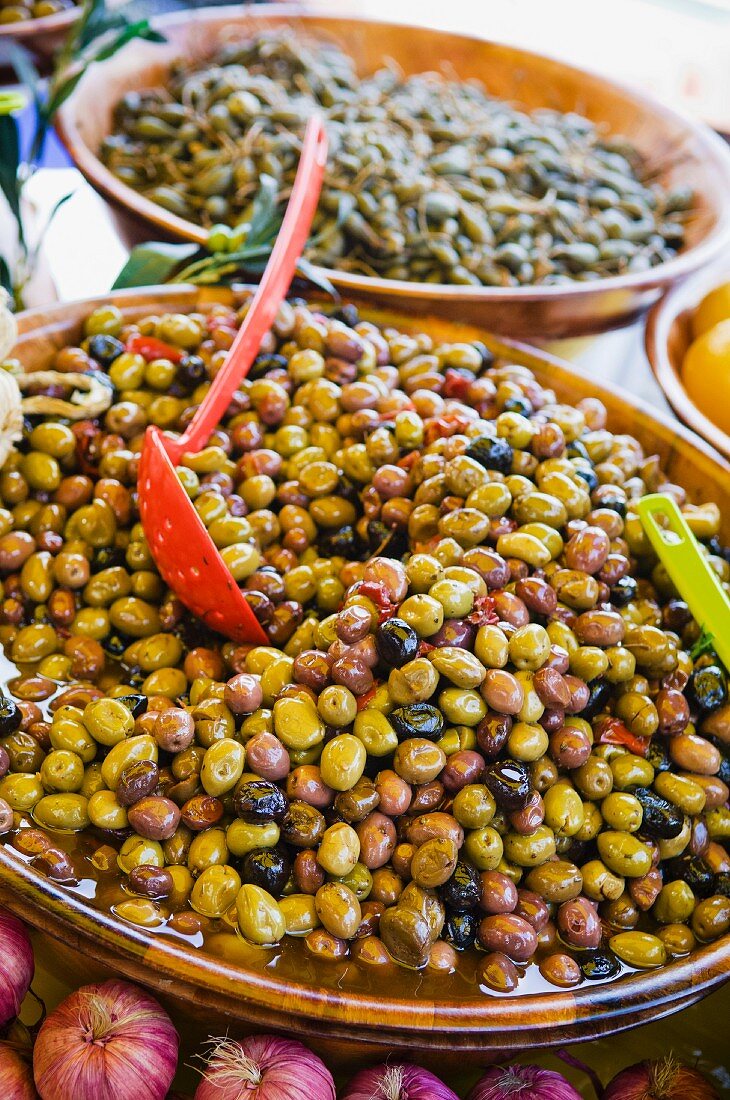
[54,154]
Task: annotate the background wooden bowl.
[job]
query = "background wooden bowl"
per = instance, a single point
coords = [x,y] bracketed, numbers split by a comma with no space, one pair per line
[41,36]
[339,1021]
[668,335]
[678,150]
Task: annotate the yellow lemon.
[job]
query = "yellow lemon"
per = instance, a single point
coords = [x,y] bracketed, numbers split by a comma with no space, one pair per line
[713,308]
[706,374]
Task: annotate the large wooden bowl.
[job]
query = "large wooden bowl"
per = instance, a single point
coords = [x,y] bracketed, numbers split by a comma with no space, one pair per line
[677,150]
[343,1022]
[668,335]
[41,36]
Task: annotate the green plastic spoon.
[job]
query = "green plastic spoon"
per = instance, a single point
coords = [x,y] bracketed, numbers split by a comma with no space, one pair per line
[680,554]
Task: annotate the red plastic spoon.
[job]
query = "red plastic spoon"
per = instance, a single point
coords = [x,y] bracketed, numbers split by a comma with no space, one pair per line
[184,552]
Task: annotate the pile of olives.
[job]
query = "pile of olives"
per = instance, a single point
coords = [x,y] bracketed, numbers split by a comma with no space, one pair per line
[20,11]
[486,733]
[430,179]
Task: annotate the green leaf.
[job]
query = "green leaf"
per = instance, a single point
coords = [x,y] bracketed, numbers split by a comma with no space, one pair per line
[153,263]
[704,644]
[41,236]
[6,278]
[9,164]
[310,273]
[140,29]
[265,219]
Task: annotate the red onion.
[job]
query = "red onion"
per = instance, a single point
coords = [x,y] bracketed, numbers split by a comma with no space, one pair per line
[106,1042]
[523,1083]
[663,1079]
[16,1080]
[17,966]
[397,1082]
[264,1067]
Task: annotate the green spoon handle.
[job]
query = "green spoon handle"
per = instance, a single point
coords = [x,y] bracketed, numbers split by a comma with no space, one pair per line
[688,569]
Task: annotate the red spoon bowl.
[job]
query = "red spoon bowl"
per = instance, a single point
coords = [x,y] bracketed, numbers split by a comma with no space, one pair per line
[184,552]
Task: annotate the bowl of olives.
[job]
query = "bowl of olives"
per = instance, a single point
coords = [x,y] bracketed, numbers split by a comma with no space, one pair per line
[454,180]
[473,794]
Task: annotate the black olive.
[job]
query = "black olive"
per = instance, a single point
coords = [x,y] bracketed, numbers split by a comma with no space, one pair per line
[723,772]
[517,405]
[576,449]
[136,703]
[615,504]
[463,890]
[676,615]
[343,542]
[396,642]
[115,644]
[460,930]
[624,591]
[694,871]
[597,966]
[107,557]
[264,363]
[600,691]
[492,454]
[104,349]
[10,716]
[509,782]
[722,884]
[394,542]
[662,820]
[260,800]
[707,687]
[268,868]
[417,720]
[190,372]
[347,313]
[486,354]
[658,756]
[589,476]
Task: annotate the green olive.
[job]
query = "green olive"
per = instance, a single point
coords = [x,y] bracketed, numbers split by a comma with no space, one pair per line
[136,851]
[297,723]
[675,903]
[599,883]
[108,721]
[121,755]
[342,762]
[207,849]
[639,949]
[484,848]
[300,914]
[215,890]
[243,837]
[622,811]
[62,812]
[62,771]
[260,919]
[532,850]
[105,812]
[376,733]
[624,854]
[222,767]
[563,809]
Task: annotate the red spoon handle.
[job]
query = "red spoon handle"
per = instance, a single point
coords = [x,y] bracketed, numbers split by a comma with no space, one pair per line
[270,293]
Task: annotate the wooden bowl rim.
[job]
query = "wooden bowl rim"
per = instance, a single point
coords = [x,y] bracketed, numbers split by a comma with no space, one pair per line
[47,24]
[75,920]
[680,265]
[669,311]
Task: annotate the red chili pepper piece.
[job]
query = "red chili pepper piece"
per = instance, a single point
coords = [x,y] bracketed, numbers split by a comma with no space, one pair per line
[612,731]
[408,461]
[425,647]
[483,613]
[149,347]
[363,700]
[456,384]
[378,593]
[445,426]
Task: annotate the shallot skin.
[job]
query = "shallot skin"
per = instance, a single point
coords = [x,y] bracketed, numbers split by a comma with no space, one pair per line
[664,1079]
[264,1067]
[397,1082]
[106,1042]
[525,1082]
[16,966]
[16,1079]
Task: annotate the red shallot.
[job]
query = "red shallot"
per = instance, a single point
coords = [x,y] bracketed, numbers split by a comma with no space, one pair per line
[106,1042]
[397,1082]
[16,1079]
[523,1083]
[264,1067]
[17,966]
[663,1079]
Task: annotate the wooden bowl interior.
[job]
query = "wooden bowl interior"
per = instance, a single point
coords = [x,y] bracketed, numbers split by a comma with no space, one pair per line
[221,990]
[677,151]
[668,336]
